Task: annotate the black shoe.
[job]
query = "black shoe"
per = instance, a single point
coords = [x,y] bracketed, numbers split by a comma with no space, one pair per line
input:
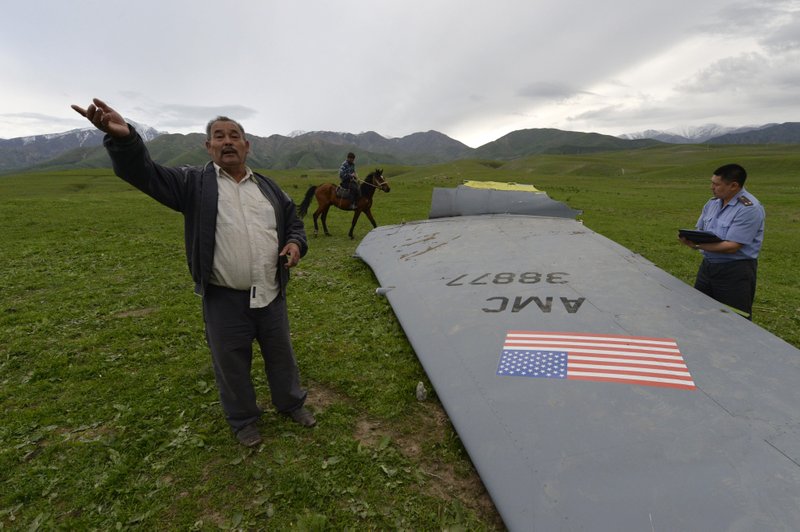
[303,417]
[249,436]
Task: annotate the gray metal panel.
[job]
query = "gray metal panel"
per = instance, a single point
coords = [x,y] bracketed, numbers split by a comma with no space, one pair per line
[574,455]
[466,201]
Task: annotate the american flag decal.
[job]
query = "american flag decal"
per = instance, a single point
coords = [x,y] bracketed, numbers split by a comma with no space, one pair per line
[595,357]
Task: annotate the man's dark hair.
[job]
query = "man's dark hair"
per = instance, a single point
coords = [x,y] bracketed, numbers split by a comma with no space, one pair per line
[732,172]
[222,119]
[351,155]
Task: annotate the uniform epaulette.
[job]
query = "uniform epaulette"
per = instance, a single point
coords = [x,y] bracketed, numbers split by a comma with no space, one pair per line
[745,201]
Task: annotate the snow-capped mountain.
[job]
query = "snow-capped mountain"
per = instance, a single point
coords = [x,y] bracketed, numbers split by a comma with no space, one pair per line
[689,134]
[20,152]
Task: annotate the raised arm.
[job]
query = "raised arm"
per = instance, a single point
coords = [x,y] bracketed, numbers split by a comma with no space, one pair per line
[131,160]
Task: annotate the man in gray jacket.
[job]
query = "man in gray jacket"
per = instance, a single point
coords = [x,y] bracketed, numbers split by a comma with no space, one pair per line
[242,235]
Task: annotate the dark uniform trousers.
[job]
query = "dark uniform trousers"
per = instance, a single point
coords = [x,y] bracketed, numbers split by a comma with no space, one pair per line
[732,283]
[231,327]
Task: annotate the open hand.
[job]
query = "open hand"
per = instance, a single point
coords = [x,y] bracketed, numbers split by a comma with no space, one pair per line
[104,118]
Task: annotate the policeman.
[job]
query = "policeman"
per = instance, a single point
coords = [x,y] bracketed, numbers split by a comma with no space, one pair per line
[728,270]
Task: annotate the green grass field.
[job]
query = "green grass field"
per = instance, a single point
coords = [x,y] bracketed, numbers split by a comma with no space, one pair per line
[111,419]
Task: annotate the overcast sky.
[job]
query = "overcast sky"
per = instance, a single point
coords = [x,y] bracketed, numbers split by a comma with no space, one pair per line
[473,70]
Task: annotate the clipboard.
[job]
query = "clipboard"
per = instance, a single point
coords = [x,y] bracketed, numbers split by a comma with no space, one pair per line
[698,237]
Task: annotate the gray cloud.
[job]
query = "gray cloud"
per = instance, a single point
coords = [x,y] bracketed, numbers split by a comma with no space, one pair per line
[549,91]
[637,116]
[785,37]
[186,116]
[728,74]
[46,122]
[179,116]
[402,67]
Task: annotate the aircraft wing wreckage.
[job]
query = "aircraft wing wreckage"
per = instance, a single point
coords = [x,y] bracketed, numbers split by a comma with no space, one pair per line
[592,390]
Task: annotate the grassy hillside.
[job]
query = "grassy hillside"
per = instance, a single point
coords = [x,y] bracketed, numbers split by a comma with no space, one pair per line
[112,415]
[555,141]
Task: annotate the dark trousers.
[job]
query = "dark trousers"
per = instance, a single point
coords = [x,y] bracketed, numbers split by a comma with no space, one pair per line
[352,186]
[231,328]
[732,283]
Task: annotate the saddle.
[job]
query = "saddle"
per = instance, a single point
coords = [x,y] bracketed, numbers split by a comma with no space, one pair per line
[344,193]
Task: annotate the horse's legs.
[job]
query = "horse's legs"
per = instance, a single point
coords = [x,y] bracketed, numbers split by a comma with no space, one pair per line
[324,220]
[316,215]
[368,214]
[355,219]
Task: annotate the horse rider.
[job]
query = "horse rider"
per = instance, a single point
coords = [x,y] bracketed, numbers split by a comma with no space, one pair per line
[349,179]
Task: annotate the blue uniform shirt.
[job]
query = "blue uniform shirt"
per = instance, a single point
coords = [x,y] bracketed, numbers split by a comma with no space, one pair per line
[740,221]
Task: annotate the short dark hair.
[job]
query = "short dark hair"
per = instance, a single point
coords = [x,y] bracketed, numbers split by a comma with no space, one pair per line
[732,172]
[351,155]
[222,119]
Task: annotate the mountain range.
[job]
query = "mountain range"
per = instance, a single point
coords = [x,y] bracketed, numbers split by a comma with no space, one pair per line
[708,133]
[25,152]
[82,148]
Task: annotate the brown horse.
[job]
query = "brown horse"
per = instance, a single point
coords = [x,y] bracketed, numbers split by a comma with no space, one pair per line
[326,197]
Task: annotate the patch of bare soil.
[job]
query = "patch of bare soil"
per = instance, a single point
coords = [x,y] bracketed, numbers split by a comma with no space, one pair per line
[429,427]
[321,397]
[136,313]
[432,425]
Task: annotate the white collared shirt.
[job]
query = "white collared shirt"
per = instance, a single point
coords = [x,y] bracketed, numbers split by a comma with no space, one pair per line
[246,248]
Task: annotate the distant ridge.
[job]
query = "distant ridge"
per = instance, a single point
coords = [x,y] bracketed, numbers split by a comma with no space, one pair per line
[786,133]
[687,134]
[526,142]
[23,152]
[319,149]
[326,149]
[81,148]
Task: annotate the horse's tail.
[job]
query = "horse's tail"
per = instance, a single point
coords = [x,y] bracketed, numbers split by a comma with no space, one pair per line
[303,208]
